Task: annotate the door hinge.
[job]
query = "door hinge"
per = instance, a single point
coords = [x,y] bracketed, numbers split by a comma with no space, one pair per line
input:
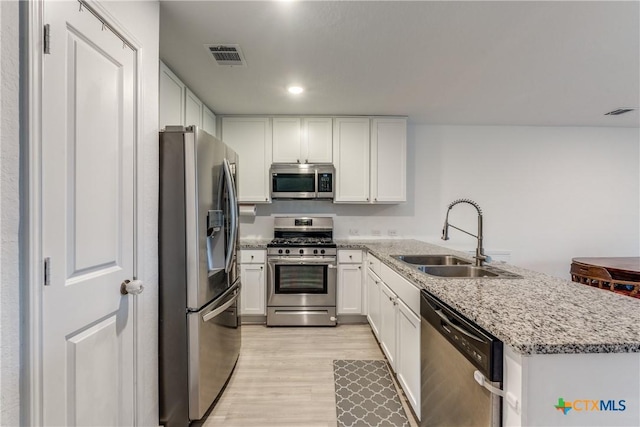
[47,271]
[47,40]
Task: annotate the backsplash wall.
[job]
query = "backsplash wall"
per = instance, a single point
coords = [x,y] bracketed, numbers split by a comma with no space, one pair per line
[548,193]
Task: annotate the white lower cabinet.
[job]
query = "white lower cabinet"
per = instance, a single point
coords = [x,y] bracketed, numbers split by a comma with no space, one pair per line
[393,317]
[253,293]
[349,289]
[350,282]
[373,302]
[388,324]
[408,355]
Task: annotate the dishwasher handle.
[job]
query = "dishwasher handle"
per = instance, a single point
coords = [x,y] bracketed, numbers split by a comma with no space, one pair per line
[448,321]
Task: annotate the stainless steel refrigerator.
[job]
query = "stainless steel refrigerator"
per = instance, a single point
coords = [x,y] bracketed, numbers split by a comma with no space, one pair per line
[199,333]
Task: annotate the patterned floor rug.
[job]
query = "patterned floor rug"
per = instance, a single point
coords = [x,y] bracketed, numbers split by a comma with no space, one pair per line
[366,396]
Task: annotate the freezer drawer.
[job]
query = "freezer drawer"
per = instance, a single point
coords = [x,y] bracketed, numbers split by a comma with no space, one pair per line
[214,347]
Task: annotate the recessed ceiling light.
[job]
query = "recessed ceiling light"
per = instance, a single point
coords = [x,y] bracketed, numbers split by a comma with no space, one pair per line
[296,90]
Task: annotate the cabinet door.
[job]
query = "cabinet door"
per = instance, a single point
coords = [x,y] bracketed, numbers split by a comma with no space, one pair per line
[253,295]
[250,137]
[286,140]
[351,159]
[349,289]
[193,111]
[388,324]
[317,143]
[408,355]
[389,160]
[172,97]
[208,121]
[373,303]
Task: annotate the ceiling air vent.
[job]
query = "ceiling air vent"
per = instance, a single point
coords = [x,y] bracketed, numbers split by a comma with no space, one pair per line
[227,54]
[619,111]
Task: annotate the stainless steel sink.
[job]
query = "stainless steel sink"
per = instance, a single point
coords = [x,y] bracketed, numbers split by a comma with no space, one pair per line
[453,267]
[432,260]
[457,271]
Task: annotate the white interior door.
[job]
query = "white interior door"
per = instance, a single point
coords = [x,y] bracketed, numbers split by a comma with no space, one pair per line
[88,138]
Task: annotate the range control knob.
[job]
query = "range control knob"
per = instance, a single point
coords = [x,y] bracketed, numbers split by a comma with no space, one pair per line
[301,251]
[315,251]
[322,251]
[287,251]
[279,251]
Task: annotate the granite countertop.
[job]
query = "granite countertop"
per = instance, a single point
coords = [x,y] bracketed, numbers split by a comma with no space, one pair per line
[537,314]
[254,243]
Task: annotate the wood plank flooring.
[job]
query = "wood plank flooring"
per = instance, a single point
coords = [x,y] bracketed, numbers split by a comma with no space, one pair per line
[284,376]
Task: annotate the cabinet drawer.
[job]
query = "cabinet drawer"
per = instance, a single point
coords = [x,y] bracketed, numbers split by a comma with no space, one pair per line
[252,256]
[373,264]
[406,291]
[350,256]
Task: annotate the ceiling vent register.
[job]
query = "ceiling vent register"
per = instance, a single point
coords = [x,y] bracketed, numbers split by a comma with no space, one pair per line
[619,111]
[227,55]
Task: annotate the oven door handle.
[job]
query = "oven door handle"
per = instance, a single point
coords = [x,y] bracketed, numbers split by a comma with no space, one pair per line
[331,263]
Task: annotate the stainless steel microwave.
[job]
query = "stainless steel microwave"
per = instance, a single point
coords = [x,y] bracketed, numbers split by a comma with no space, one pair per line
[302,181]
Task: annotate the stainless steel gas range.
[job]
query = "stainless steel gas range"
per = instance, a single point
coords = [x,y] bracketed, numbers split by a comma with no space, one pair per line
[302,273]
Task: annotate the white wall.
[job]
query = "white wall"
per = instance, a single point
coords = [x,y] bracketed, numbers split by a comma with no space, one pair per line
[548,193]
[9,216]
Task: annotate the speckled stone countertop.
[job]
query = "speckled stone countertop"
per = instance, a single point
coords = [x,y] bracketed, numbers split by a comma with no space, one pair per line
[254,243]
[537,314]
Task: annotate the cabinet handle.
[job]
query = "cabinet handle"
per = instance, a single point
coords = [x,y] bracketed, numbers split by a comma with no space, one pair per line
[350,256]
[251,256]
[359,268]
[266,199]
[306,160]
[376,199]
[297,160]
[261,267]
[390,299]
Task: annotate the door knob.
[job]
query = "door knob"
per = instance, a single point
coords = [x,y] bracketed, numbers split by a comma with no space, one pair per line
[132,287]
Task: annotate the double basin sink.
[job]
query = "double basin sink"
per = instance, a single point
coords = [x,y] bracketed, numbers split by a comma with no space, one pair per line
[453,267]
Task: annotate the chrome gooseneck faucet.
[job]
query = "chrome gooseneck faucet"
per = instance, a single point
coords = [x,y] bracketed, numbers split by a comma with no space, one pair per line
[480,256]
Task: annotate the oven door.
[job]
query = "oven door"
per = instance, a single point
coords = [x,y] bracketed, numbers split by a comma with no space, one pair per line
[302,281]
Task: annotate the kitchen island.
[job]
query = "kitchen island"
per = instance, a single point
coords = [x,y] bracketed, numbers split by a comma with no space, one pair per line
[564,342]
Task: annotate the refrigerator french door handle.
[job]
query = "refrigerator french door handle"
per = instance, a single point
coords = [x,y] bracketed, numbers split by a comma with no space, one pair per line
[217,311]
[233,201]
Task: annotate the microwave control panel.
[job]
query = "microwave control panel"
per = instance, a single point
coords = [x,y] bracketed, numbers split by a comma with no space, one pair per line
[325,183]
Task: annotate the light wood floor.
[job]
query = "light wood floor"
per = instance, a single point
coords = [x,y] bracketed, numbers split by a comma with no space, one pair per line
[284,376]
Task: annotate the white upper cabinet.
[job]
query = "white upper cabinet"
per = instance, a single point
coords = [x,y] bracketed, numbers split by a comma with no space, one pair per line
[317,140]
[351,159]
[172,98]
[181,107]
[287,136]
[208,121]
[389,160]
[250,137]
[302,140]
[193,108]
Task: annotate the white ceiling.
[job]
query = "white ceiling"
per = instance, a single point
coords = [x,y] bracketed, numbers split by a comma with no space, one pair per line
[477,62]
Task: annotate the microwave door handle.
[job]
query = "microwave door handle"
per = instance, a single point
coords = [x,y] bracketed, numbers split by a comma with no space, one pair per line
[317,183]
[233,212]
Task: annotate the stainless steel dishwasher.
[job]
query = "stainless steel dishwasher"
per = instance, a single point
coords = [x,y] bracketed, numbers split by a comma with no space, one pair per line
[461,369]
